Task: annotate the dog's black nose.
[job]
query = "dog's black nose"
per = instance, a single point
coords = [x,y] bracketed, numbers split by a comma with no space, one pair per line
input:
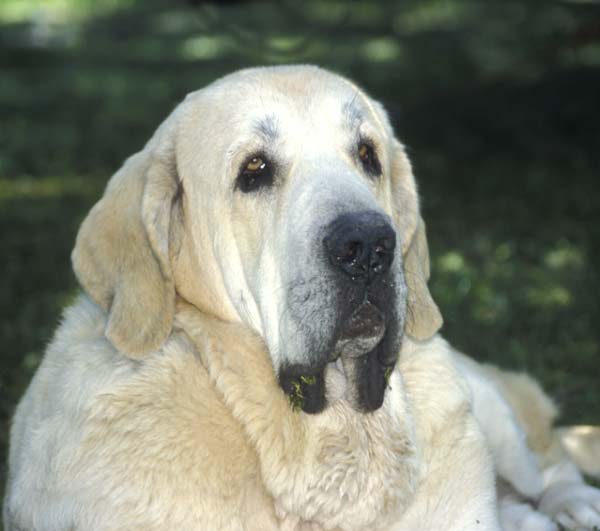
[361,244]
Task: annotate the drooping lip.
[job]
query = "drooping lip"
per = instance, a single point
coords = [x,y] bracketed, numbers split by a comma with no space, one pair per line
[360,333]
[356,370]
[359,358]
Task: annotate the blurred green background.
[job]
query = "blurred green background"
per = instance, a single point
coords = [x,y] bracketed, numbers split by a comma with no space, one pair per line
[498,103]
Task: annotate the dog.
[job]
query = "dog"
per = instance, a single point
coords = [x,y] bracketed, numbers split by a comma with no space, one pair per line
[256,347]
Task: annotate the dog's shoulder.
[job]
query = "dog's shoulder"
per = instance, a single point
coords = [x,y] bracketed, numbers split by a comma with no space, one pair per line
[457,468]
[437,389]
[144,438]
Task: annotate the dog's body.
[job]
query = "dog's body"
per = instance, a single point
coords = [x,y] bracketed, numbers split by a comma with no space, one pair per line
[200,437]
[169,397]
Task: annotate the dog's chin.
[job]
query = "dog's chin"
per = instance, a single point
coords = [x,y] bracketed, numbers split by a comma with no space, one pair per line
[336,382]
[355,371]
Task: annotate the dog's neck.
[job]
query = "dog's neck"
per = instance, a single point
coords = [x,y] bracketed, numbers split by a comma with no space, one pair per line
[340,468]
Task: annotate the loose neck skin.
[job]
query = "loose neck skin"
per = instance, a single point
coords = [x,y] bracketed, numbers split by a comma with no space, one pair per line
[325,468]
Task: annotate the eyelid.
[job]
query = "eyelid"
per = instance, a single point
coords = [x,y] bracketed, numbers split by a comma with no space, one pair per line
[364,140]
[377,169]
[242,150]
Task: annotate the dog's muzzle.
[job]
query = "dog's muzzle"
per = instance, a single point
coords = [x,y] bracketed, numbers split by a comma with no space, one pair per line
[360,249]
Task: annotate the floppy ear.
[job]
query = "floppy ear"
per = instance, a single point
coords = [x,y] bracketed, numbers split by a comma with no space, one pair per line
[121,255]
[423,318]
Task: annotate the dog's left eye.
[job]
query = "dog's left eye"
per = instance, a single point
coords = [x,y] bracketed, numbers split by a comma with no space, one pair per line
[255,173]
[368,157]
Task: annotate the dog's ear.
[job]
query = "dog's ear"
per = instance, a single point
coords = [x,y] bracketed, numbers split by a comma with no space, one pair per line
[121,256]
[423,317]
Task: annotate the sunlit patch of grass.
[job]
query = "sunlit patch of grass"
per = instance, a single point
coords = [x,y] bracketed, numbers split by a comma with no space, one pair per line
[47,187]
[382,50]
[452,262]
[588,55]
[205,47]
[549,296]
[564,256]
[430,14]
[12,11]
[333,11]
[286,44]
[25,10]
[504,251]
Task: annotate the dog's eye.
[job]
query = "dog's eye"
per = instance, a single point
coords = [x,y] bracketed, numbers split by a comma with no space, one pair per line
[255,173]
[256,164]
[368,157]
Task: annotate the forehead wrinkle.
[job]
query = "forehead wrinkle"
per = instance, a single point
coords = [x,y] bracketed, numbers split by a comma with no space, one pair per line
[267,128]
[377,117]
[353,113]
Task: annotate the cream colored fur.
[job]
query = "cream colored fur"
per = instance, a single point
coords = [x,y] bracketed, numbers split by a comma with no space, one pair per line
[200,436]
[540,484]
[583,446]
[157,407]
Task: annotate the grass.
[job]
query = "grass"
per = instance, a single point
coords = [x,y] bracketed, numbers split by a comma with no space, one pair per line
[497,103]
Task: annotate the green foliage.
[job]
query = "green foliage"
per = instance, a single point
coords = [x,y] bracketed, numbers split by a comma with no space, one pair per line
[308,380]
[496,101]
[296,396]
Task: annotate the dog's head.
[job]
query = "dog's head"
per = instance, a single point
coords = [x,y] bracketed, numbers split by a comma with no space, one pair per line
[280,198]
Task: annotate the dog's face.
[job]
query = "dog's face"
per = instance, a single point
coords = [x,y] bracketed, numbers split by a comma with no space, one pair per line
[277,197]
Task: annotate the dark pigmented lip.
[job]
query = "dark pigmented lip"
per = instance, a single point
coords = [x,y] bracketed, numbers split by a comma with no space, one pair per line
[358,354]
[305,387]
[366,380]
[362,354]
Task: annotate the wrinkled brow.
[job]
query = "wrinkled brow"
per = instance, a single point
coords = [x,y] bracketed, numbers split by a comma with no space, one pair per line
[353,113]
[266,128]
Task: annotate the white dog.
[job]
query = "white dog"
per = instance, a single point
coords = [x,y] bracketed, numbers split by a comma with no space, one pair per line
[257,349]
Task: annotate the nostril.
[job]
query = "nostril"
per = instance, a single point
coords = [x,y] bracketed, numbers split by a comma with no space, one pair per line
[383,246]
[381,255]
[351,252]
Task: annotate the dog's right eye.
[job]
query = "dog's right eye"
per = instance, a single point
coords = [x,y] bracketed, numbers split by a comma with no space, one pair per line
[256,172]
